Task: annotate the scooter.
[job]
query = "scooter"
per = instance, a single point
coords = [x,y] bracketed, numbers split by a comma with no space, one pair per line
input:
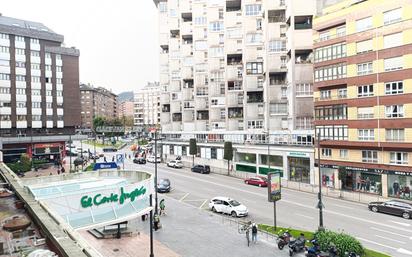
[313,251]
[296,246]
[283,239]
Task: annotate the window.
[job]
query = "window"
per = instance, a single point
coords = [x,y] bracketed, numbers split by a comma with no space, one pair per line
[255,124]
[35,66]
[233,33]
[365,113]
[394,88]
[394,111]
[258,24]
[341,31]
[398,158]
[4,76]
[325,94]
[48,55]
[326,152]
[21,117]
[342,93]
[216,52]
[395,135]
[330,72]
[364,46]
[216,26]
[19,38]
[200,45]
[253,9]
[34,41]
[392,40]
[47,67]
[20,104]
[365,68]
[20,91]
[48,93]
[4,49]
[5,117]
[58,57]
[59,81]
[36,117]
[4,63]
[163,7]
[332,132]
[49,105]
[254,68]
[363,24]
[35,53]
[304,89]
[366,134]
[20,78]
[4,36]
[392,16]
[343,153]
[395,63]
[366,90]
[4,90]
[330,52]
[20,65]
[370,156]
[36,92]
[323,36]
[276,46]
[200,20]
[304,123]
[278,108]
[35,79]
[35,105]
[254,38]
[20,51]
[222,114]
[59,93]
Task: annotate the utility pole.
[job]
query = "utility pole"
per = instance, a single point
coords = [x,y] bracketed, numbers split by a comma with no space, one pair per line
[151,228]
[155,152]
[94,146]
[320,204]
[70,151]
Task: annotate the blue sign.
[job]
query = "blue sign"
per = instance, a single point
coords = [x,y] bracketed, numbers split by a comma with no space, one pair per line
[105,165]
[119,158]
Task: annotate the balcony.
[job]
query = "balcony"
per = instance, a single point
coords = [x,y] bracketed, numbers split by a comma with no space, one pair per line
[255,97]
[188,94]
[303,56]
[176,117]
[188,83]
[174,33]
[235,112]
[234,59]
[166,108]
[234,72]
[278,78]
[202,115]
[303,22]
[188,105]
[234,85]
[275,16]
[235,99]
[233,5]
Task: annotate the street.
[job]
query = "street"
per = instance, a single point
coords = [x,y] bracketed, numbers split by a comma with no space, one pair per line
[381,232]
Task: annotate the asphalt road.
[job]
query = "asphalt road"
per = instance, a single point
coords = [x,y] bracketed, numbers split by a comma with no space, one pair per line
[381,232]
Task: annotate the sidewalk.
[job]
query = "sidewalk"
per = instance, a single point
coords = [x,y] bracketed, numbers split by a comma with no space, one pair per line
[190,232]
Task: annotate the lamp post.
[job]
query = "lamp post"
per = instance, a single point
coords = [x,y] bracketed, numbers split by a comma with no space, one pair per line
[94,147]
[155,152]
[320,204]
[151,228]
[274,202]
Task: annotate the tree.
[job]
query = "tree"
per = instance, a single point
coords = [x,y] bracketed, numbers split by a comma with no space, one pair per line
[98,122]
[228,154]
[193,149]
[342,175]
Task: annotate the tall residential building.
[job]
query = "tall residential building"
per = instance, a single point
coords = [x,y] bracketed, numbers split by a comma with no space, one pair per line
[237,71]
[147,105]
[363,95]
[125,109]
[39,92]
[96,102]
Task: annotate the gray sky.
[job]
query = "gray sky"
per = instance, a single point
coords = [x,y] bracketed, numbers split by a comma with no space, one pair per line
[118,40]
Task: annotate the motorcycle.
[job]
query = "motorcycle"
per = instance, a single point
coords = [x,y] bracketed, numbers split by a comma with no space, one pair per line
[297,245]
[283,239]
[313,251]
[351,254]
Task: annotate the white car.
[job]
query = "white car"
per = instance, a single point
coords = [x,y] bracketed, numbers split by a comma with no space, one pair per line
[175,164]
[229,206]
[152,159]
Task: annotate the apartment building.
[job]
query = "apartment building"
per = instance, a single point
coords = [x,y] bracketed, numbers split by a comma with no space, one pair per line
[239,71]
[363,95]
[147,105]
[39,94]
[125,109]
[96,102]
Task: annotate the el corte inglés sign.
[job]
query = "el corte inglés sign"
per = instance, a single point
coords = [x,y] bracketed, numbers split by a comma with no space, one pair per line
[98,199]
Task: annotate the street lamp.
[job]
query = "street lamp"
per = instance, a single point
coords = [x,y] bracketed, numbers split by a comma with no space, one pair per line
[94,147]
[320,204]
[268,160]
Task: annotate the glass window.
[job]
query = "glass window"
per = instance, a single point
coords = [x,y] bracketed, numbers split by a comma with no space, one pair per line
[276,46]
[254,68]
[364,46]
[392,16]
[400,186]
[394,111]
[366,90]
[365,68]
[253,9]
[395,135]
[363,24]
[398,158]
[299,169]
[343,153]
[393,88]
[370,156]
[365,113]
[395,63]
[366,134]
[216,26]
[392,40]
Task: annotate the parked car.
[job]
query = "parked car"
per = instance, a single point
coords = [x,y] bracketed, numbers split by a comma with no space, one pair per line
[175,164]
[201,169]
[393,207]
[163,186]
[94,157]
[257,181]
[152,159]
[139,160]
[109,149]
[229,206]
[71,153]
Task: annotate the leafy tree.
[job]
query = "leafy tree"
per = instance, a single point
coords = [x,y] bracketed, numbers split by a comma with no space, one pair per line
[193,149]
[98,122]
[342,175]
[228,154]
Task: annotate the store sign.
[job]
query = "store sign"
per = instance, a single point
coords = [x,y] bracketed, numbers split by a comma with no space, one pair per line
[377,171]
[98,199]
[104,165]
[274,188]
[47,150]
[298,154]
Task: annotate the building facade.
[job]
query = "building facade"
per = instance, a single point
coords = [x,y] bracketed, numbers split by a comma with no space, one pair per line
[239,71]
[39,93]
[125,109]
[96,102]
[147,105]
[363,95]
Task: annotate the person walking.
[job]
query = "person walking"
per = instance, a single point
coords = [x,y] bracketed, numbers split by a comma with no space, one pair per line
[105,160]
[156,222]
[254,233]
[162,207]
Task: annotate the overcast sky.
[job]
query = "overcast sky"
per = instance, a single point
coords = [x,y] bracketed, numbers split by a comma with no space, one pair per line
[117,38]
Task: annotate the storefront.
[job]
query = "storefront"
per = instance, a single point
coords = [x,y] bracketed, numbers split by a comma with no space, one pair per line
[400,185]
[49,152]
[328,177]
[299,167]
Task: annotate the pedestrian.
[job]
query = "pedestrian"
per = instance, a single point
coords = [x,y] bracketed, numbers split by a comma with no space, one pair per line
[105,160]
[254,233]
[162,207]
[58,171]
[113,159]
[156,221]
[63,170]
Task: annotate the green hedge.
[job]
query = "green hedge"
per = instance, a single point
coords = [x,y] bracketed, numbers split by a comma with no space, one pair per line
[343,242]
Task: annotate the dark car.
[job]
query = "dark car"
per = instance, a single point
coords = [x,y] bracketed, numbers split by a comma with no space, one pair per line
[139,160]
[393,207]
[201,169]
[163,186]
[109,149]
[257,181]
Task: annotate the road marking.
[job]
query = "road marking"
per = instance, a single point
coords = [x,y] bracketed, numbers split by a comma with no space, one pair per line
[201,206]
[390,239]
[403,251]
[400,223]
[181,199]
[195,200]
[389,232]
[309,217]
[342,206]
[372,242]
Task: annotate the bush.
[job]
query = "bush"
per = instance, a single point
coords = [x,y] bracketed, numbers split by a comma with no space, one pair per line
[343,242]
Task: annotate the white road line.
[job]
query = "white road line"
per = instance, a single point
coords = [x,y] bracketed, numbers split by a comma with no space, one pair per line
[201,206]
[195,200]
[305,216]
[372,242]
[342,206]
[390,239]
[400,223]
[403,251]
[389,232]
[181,199]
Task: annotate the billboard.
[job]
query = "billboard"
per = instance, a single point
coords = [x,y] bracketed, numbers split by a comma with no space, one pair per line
[274,187]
